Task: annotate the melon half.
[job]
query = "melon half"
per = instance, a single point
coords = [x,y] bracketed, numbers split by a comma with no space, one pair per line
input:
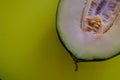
[89,29]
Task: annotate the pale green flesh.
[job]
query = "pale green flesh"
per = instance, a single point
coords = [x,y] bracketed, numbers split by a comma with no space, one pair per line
[85,45]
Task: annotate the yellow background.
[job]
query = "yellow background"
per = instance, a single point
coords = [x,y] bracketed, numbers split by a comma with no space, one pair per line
[30,49]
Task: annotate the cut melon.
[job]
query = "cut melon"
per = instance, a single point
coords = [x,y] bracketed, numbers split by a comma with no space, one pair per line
[89,29]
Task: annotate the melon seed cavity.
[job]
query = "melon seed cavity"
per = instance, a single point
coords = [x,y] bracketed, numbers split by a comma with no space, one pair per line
[100,16]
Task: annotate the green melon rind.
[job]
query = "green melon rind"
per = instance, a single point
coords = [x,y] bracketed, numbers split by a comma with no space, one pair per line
[71,51]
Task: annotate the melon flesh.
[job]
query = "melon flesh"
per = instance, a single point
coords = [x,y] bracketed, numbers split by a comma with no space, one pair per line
[82,44]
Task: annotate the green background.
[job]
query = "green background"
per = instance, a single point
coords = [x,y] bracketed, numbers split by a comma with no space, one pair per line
[30,48]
